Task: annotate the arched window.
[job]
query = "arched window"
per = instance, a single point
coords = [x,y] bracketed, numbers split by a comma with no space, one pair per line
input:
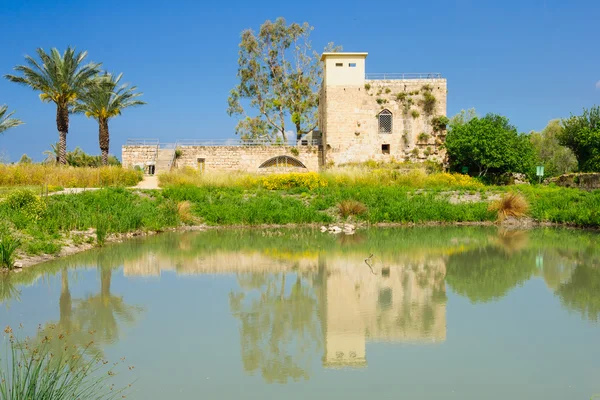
[282,162]
[385,121]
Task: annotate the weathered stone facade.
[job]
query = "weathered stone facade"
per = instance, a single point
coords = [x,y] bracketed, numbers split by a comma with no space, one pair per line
[138,155]
[231,158]
[392,118]
[350,109]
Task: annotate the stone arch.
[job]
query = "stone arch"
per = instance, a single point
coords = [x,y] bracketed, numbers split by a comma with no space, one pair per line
[282,162]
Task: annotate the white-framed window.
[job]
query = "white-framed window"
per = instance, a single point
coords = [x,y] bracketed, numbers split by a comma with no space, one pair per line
[384,120]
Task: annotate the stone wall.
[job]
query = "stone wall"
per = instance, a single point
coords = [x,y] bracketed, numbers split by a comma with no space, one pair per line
[585,181]
[230,158]
[348,120]
[136,155]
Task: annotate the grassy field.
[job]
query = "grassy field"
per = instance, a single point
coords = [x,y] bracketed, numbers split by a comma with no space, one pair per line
[44,224]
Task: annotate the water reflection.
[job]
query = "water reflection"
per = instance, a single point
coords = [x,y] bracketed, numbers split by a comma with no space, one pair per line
[303,294]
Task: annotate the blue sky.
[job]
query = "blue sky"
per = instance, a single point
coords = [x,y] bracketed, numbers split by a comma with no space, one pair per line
[531,60]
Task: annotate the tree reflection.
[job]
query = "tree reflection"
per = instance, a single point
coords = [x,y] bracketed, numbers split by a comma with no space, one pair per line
[488,273]
[102,312]
[8,290]
[279,326]
[582,292]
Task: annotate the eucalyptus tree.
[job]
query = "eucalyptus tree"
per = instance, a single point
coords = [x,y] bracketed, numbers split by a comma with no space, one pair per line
[106,99]
[6,122]
[279,77]
[60,79]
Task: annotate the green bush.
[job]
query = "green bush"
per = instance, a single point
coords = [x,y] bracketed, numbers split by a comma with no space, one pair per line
[8,247]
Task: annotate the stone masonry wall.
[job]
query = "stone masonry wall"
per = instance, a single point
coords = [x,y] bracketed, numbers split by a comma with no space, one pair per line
[349,122]
[230,158]
[135,155]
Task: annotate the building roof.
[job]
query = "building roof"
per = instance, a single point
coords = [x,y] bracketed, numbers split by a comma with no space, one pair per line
[343,54]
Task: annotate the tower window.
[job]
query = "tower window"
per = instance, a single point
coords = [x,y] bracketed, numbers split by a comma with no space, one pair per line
[385,121]
[385,149]
[352,65]
[339,64]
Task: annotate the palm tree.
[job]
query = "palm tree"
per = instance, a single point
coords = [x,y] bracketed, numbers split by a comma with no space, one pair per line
[6,122]
[60,79]
[105,100]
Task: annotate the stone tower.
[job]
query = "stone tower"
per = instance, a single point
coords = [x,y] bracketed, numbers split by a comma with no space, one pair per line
[381,116]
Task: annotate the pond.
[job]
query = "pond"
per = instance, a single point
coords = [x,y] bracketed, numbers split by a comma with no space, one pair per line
[429,312]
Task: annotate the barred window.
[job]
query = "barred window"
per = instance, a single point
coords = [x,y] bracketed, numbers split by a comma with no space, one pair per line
[385,121]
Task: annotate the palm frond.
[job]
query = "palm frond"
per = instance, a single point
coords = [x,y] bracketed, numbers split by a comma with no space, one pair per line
[59,77]
[6,122]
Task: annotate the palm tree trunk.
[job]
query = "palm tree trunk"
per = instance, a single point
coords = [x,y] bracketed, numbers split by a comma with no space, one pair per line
[103,137]
[62,124]
[65,304]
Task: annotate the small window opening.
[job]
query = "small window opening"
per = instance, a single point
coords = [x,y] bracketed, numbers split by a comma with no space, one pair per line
[352,65]
[339,64]
[201,164]
[385,149]
[385,121]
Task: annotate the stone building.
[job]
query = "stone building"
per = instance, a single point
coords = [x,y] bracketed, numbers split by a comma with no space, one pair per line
[362,117]
[380,116]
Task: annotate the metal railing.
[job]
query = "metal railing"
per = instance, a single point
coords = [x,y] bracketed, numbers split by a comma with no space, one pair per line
[142,142]
[409,75]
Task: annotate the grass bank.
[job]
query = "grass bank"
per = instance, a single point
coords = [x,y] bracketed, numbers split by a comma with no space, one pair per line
[45,225]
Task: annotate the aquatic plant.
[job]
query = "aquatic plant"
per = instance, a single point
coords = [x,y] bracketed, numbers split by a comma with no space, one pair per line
[33,371]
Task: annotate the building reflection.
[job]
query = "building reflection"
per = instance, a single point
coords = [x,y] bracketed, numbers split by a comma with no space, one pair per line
[357,299]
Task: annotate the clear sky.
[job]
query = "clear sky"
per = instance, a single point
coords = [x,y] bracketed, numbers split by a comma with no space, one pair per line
[531,60]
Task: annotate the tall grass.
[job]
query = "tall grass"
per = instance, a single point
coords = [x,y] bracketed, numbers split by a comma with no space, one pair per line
[8,248]
[54,175]
[33,370]
[510,205]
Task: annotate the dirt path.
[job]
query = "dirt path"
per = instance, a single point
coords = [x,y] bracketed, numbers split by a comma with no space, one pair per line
[149,182]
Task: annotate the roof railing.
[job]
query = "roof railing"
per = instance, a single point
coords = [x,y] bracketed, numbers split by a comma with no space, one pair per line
[221,142]
[404,75]
[142,142]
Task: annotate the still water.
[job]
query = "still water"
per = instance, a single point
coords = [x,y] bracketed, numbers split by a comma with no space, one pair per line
[414,313]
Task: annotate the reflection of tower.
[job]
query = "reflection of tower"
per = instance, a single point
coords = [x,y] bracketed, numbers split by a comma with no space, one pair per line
[345,331]
[403,302]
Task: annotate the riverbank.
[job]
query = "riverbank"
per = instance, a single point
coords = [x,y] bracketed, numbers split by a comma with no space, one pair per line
[63,224]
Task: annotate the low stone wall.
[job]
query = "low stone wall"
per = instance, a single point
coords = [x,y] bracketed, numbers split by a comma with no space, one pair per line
[230,158]
[134,155]
[589,181]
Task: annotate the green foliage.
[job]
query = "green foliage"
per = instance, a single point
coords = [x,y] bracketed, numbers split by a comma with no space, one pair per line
[582,292]
[415,114]
[25,201]
[388,90]
[439,123]
[25,159]
[6,122]
[487,274]
[582,135]
[463,117]
[280,76]
[428,102]
[367,86]
[423,137]
[381,101]
[60,79]
[8,247]
[36,371]
[489,146]
[556,159]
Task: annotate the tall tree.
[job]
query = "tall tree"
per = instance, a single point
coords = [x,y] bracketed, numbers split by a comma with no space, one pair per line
[556,159]
[489,145]
[581,133]
[104,100]
[6,122]
[61,78]
[280,76]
